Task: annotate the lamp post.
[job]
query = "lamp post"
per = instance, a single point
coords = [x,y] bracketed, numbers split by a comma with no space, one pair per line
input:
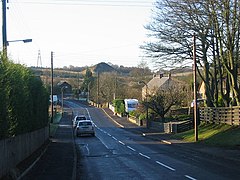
[23,40]
[4,29]
[62,88]
[5,44]
[146,99]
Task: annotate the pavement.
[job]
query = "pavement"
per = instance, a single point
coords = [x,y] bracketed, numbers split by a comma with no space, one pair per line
[232,154]
[57,159]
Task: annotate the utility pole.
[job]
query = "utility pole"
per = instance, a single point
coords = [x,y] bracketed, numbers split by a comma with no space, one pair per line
[4,27]
[115,88]
[52,87]
[98,89]
[195,89]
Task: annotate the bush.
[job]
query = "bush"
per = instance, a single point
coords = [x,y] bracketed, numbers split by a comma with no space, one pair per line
[24,100]
[119,106]
[142,116]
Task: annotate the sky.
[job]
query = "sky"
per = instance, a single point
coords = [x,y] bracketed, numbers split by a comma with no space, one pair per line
[78,32]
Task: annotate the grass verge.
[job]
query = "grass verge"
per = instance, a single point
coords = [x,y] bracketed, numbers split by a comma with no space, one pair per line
[213,135]
[54,125]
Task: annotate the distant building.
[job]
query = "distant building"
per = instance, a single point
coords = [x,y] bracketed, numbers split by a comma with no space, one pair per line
[157,83]
[67,87]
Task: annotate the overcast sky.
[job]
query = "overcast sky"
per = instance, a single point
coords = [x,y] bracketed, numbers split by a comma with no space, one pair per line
[79,32]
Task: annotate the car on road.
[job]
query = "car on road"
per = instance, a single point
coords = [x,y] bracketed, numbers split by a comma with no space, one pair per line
[85,127]
[77,119]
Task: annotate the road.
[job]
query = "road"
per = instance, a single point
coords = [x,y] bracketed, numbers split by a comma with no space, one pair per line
[117,153]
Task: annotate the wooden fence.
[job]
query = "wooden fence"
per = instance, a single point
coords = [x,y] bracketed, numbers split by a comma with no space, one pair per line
[224,115]
[184,126]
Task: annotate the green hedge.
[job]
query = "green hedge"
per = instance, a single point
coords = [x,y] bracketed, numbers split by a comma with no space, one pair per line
[23,100]
[119,105]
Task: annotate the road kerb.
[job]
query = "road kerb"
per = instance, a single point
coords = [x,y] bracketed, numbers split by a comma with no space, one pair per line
[166,142]
[113,119]
[161,140]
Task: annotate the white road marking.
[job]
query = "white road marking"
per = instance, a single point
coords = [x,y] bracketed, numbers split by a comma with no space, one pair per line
[189,177]
[113,119]
[88,114]
[114,138]
[131,148]
[103,143]
[121,143]
[88,152]
[164,165]
[144,156]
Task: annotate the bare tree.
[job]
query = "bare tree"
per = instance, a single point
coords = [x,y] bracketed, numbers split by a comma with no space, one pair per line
[164,99]
[216,25]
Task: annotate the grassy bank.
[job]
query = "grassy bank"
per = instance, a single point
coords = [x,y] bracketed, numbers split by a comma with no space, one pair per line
[54,125]
[214,135]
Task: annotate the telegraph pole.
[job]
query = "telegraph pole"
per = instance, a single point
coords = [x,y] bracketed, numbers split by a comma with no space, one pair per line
[52,87]
[4,27]
[195,89]
[98,89]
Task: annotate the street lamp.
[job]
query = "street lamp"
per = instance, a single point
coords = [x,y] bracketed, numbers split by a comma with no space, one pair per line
[146,99]
[5,44]
[62,88]
[23,40]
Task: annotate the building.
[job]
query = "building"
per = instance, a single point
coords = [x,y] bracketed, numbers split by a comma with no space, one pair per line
[67,87]
[157,83]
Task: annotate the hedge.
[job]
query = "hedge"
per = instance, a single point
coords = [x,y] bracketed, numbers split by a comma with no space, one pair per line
[23,100]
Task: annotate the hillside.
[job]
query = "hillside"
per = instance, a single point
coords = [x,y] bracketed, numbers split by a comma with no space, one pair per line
[102,67]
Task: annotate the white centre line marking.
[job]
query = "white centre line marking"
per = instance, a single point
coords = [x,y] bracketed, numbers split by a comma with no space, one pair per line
[189,177]
[144,156]
[114,138]
[131,148]
[121,143]
[164,165]
[109,134]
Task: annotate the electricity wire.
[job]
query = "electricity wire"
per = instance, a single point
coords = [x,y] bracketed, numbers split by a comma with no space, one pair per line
[92,3]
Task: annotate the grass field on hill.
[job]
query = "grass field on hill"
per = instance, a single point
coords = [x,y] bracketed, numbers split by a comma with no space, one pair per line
[214,135]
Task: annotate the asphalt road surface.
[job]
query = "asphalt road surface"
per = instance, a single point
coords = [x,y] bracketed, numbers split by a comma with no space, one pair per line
[117,153]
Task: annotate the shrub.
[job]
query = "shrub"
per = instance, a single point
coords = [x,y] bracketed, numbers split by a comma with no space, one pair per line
[119,105]
[24,100]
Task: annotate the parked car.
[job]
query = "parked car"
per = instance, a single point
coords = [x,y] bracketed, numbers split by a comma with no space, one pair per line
[78,118]
[85,127]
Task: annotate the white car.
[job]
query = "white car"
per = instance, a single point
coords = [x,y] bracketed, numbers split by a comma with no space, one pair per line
[85,127]
[78,118]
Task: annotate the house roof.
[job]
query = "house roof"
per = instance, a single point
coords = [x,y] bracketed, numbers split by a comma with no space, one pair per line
[157,82]
[63,83]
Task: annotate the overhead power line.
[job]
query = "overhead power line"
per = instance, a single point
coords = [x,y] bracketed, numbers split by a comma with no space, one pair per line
[92,3]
